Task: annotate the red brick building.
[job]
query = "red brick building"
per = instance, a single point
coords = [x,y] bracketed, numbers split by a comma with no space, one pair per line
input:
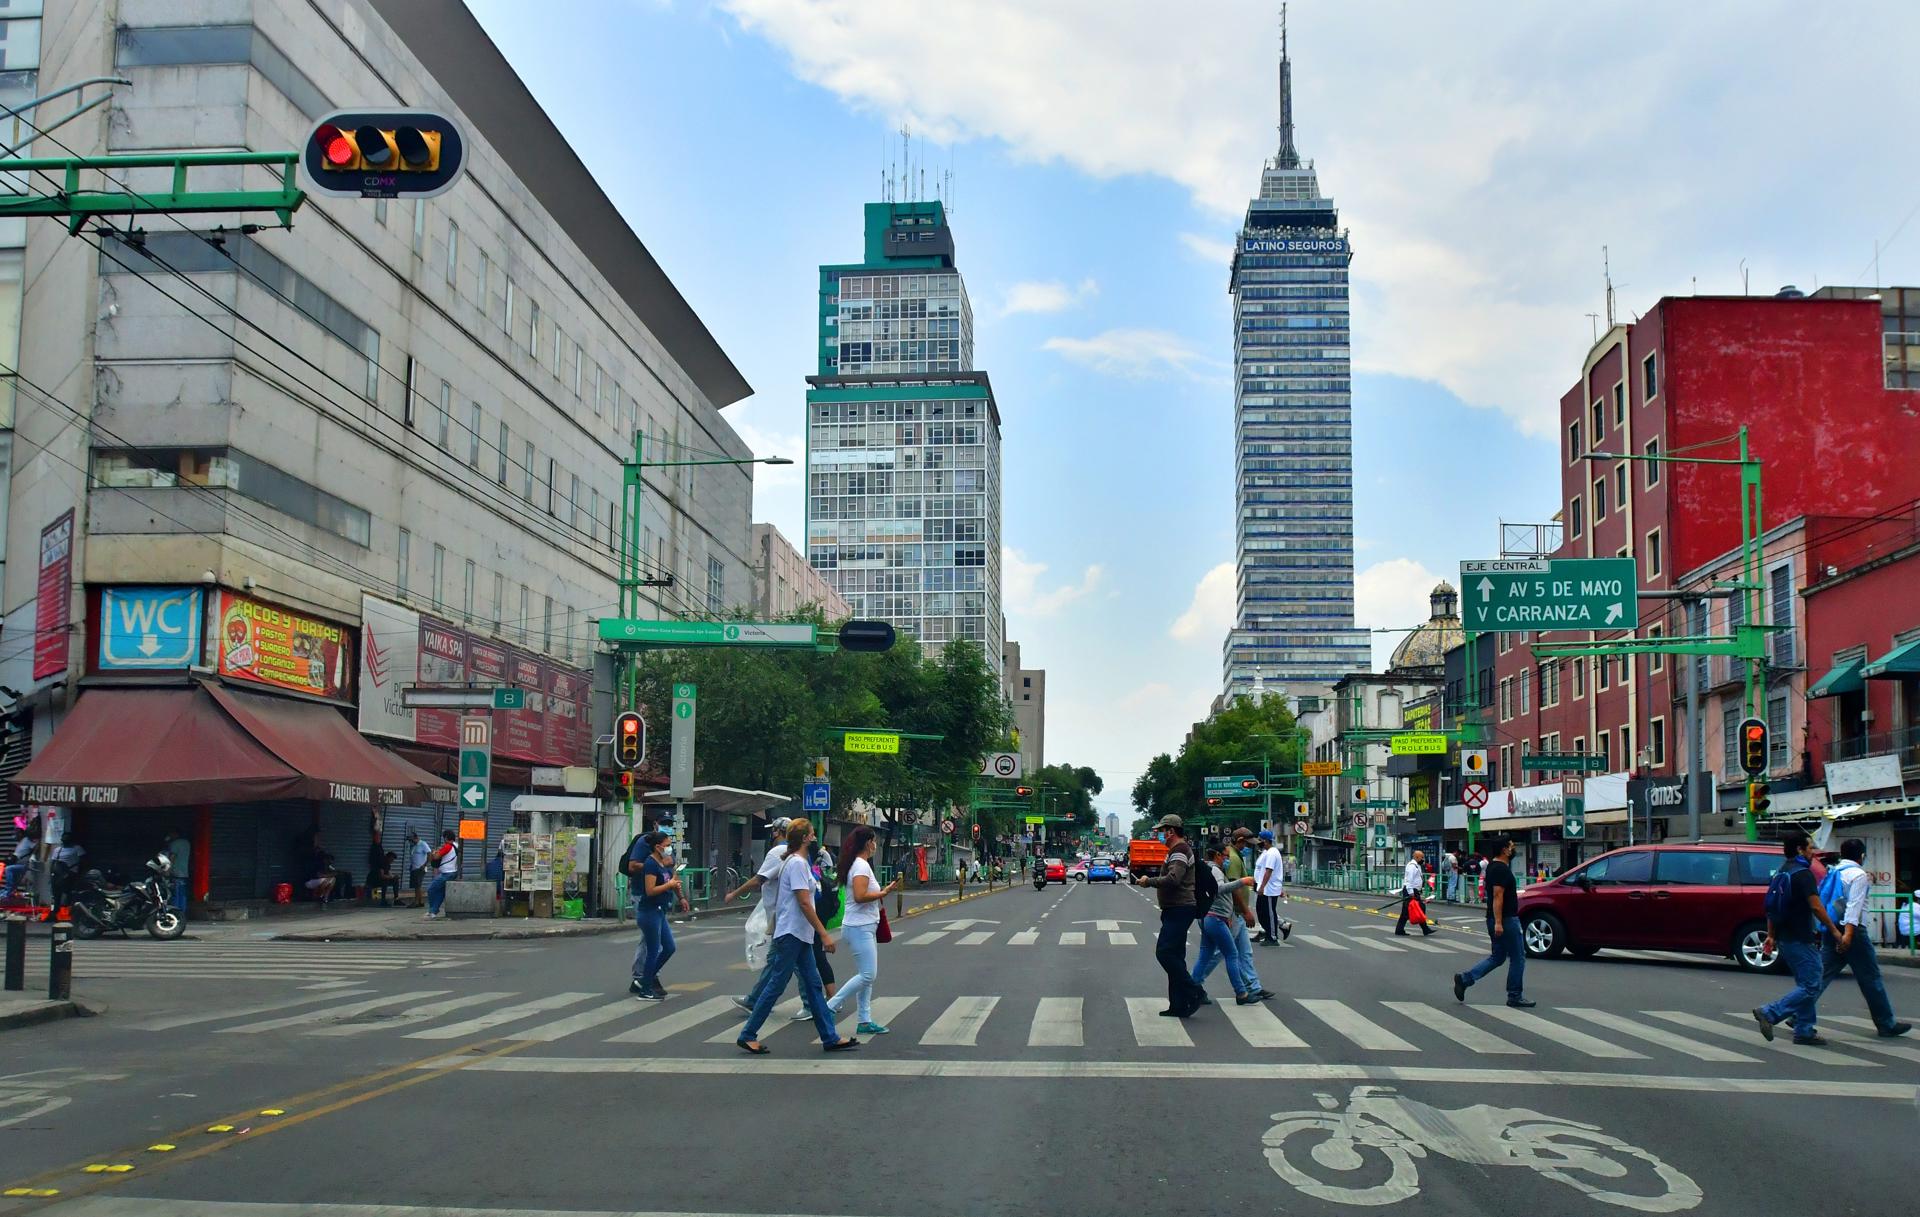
[1809,377]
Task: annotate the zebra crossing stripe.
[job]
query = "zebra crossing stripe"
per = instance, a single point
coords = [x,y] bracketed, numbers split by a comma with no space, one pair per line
[1421,944]
[1260,1027]
[960,1023]
[410,1016]
[1748,1034]
[1363,1031]
[654,1031]
[779,1020]
[1314,940]
[926,939]
[1869,1043]
[346,1011]
[1073,938]
[1665,1039]
[1374,943]
[1547,1029]
[1150,1030]
[975,938]
[1056,1024]
[1459,1030]
[187,1020]
[506,1014]
[586,1020]
[1120,938]
[1025,938]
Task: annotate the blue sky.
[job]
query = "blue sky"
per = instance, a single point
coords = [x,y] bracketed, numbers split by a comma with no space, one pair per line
[1102,150]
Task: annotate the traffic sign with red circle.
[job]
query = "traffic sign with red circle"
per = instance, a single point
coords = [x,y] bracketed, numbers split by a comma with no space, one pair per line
[1474,795]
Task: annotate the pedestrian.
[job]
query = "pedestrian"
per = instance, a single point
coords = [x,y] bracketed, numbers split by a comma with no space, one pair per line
[1503,928]
[1793,909]
[1270,885]
[1177,888]
[1412,883]
[417,866]
[14,880]
[1845,892]
[860,926]
[179,854]
[760,919]
[828,904]
[444,862]
[1217,930]
[659,890]
[1449,875]
[797,927]
[1240,881]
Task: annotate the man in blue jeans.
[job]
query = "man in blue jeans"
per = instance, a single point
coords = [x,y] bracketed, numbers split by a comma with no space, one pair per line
[1238,886]
[1790,929]
[1845,894]
[1503,928]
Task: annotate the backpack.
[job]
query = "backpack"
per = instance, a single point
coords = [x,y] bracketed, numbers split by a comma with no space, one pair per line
[1204,888]
[827,905]
[1833,892]
[1779,902]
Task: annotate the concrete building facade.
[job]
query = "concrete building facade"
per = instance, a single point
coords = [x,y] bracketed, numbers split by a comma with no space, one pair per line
[785,582]
[1026,692]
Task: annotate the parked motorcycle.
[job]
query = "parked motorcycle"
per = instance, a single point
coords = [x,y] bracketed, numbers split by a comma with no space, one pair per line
[146,902]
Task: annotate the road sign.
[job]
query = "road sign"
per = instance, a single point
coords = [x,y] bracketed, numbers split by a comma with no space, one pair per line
[1573,809]
[1002,765]
[1379,836]
[1303,809]
[509,699]
[1577,762]
[1222,786]
[1474,795]
[1381,804]
[1473,762]
[1420,743]
[476,762]
[1300,827]
[383,154]
[879,742]
[1321,769]
[708,633]
[1359,794]
[1550,594]
[680,748]
[946,826]
[428,698]
[1362,818]
[816,796]
[1034,819]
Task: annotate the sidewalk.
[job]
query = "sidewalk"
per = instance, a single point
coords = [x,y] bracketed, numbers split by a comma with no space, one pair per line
[25,1010]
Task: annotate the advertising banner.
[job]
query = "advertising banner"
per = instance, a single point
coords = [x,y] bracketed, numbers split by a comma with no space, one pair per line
[53,598]
[270,645]
[145,628]
[389,661]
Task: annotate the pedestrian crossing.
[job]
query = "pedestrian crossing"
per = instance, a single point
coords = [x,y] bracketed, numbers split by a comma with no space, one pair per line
[1338,940]
[1338,1027]
[298,963]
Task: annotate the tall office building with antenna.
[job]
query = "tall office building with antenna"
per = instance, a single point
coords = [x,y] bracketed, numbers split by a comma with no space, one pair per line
[1294,628]
[903,435]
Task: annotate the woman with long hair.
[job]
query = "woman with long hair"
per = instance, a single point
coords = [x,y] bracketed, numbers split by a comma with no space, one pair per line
[659,892]
[861,925]
[796,926]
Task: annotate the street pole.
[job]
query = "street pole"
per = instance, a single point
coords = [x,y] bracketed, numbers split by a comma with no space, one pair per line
[1696,791]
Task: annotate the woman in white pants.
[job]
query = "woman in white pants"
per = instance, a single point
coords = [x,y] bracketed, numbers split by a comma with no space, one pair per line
[860,925]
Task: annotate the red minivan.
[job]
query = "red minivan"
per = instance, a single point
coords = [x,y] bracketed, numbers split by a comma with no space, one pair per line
[1706,899]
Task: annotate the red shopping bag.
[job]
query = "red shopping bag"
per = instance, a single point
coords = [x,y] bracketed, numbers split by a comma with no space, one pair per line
[1416,912]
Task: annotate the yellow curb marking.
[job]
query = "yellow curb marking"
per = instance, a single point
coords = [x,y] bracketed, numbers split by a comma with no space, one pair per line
[220,1128]
[273,1111]
[117,1168]
[31,1191]
[161,1148]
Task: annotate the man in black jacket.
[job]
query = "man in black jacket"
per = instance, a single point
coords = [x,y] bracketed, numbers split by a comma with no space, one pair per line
[1178,910]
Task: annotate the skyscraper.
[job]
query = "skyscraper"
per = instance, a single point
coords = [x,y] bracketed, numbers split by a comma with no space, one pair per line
[903,439]
[1293,434]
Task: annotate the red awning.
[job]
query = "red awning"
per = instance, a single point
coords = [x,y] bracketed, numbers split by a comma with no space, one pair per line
[210,744]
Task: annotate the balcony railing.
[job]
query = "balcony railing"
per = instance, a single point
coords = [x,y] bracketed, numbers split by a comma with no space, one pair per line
[1903,742]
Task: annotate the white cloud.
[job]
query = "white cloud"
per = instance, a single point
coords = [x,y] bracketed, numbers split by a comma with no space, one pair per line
[1476,149]
[1210,615]
[1136,354]
[1391,595]
[1148,694]
[1020,585]
[1208,249]
[1051,296]
[765,443]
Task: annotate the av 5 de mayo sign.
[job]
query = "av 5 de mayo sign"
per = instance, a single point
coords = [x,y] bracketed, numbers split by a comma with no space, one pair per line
[1550,594]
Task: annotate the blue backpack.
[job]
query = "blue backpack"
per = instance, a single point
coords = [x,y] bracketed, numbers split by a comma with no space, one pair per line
[1779,903]
[1833,890]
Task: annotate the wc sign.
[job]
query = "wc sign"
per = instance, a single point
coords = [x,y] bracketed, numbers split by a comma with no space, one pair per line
[149,627]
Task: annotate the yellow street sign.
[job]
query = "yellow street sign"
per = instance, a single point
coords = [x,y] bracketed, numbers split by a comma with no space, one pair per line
[1321,769]
[1419,744]
[886,742]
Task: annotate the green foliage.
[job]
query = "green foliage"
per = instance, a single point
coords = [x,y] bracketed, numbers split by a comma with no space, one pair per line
[1232,741]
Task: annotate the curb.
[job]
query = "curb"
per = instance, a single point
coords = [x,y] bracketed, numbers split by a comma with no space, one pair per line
[950,902]
[47,1012]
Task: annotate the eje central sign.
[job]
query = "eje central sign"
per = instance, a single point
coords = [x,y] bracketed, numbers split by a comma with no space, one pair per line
[1550,594]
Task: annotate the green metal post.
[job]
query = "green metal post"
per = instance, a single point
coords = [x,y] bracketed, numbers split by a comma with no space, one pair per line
[1752,561]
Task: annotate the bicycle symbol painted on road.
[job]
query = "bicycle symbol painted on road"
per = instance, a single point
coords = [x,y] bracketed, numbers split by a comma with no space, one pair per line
[1310,1149]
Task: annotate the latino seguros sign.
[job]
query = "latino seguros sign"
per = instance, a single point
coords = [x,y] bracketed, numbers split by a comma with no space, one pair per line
[1293,245]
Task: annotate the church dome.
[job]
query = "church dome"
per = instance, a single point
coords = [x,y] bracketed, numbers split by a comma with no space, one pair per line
[1427,647]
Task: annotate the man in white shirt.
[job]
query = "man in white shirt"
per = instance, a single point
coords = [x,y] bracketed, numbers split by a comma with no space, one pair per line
[796,924]
[760,919]
[1846,890]
[1412,884]
[1270,884]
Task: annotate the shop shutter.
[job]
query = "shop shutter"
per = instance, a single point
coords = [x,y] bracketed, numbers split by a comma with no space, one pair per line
[253,848]
[281,834]
[426,819]
[19,752]
[346,829]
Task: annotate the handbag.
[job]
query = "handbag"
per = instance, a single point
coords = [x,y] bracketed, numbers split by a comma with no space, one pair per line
[1416,912]
[885,932]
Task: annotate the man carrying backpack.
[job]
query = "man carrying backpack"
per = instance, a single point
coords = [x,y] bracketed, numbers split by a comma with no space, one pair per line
[1844,893]
[1182,886]
[1793,910]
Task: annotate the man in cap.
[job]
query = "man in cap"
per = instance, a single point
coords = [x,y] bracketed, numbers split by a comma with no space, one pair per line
[759,927]
[1174,886]
[1233,870]
[1269,885]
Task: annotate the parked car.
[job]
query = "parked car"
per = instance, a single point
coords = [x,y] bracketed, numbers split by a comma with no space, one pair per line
[1703,899]
[1101,871]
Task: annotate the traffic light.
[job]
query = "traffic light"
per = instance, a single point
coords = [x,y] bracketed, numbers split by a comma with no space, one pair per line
[1753,747]
[629,741]
[1213,802]
[1023,791]
[383,154]
[1250,783]
[1758,799]
[866,636]
[626,780]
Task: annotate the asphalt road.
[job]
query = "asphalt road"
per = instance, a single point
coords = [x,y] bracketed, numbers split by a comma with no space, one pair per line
[1026,1073]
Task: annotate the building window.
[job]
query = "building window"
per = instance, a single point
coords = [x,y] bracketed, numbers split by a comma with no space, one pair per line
[1779,749]
[524,625]
[1657,742]
[1603,748]
[1730,716]
[413,388]
[1575,510]
[1649,378]
[380,212]
[238,473]
[439,575]
[499,597]
[1653,465]
[593,515]
[485,284]
[1599,423]
[716,585]
[1627,759]
[406,561]
[1506,698]
[526,470]
[1620,404]
[571,626]
[453,253]
[1697,626]
[506,314]
[546,627]
[474,423]
[1526,690]
[1579,745]
[1599,499]
[1602,673]
[1579,678]
[573,500]
[1501,643]
[599,390]
[419,225]
[466,591]
[1506,776]
[579,358]
[446,415]
[553,478]
[500,474]
[1620,485]
[533,329]
[1780,587]
[1656,661]
[1654,566]
[1573,442]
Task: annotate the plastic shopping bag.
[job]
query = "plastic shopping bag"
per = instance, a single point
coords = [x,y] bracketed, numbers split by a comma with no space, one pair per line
[758,939]
[1416,912]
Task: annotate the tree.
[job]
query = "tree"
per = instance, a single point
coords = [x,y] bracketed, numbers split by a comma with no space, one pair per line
[1235,740]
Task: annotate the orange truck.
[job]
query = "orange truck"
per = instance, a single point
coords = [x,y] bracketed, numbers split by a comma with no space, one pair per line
[1146,856]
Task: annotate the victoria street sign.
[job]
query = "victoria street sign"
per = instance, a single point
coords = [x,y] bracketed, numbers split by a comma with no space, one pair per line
[707,633]
[1575,762]
[1422,743]
[1550,594]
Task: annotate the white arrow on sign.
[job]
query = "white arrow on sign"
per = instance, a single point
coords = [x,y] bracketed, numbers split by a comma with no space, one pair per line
[1485,587]
[472,797]
[1613,612]
[1107,927]
[966,923]
[149,643]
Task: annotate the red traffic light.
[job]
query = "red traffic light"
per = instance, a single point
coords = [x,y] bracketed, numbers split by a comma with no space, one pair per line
[335,148]
[629,740]
[1023,791]
[1213,802]
[630,726]
[1756,732]
[383,154]
[1250,784]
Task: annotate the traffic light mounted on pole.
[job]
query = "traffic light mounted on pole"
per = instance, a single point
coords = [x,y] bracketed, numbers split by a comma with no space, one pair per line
[1753,747]
[629,741]
[384,154]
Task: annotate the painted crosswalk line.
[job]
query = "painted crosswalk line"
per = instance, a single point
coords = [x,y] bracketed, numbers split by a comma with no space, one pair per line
[1364,1032]
[1151,1029]
[960,1022]
[347,1011]
[1459,1030]
[412,1016]
[1025,938]
[1749,1034]
[573,1024]
[1120,938]
[172,1021]
[675,1021]
[1073,938]
[1314,940]
[1056,1024]
[501,1016]
[1550,1029]
[1260,1026]
[926,939]
[1373,943]
[975,938]
[1841,1027]
[1659,1036]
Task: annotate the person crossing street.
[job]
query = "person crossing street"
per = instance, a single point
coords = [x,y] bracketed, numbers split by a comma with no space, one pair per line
[1175,887]
[1269,886]
[1845,891]
[1412,885]
[1503,929]
[1239,885]
[1793,907]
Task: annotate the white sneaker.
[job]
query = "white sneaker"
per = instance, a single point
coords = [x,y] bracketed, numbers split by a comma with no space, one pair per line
[802,1015]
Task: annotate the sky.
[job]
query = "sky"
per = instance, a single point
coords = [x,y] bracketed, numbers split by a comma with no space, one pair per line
[1489,159]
